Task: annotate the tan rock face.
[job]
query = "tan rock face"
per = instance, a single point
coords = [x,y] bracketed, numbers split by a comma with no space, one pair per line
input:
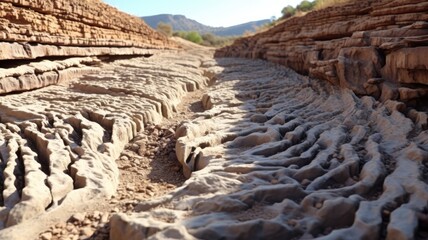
[64,139]
[40,27]
[277,155]
[350,45]
[51,29]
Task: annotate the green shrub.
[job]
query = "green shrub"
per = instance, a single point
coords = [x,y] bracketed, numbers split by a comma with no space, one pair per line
[288,11]
[305,6]
[194,37]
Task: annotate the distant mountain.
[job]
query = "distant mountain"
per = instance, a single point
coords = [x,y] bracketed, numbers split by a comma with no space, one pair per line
[181,23]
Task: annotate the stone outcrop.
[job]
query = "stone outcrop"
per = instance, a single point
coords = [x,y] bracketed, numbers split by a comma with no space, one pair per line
[41,28]
[277,155]
[64,139]
[376,48]
[31,31]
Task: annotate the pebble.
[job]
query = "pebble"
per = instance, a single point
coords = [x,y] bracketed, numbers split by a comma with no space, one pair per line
[87,222]
[78,217]
[130,187]
[169,132]
[86,231]
[61,225]
[56,231]
[134,147]
[75,231]
[306,182]
[318,205]
[97,215]
[105,217]
[125,166]
[46,236]
[69,227]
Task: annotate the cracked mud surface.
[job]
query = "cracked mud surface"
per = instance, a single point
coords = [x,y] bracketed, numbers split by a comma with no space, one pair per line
[268,154]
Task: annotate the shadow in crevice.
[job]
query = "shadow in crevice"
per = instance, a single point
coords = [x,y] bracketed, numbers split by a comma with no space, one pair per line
[337,138]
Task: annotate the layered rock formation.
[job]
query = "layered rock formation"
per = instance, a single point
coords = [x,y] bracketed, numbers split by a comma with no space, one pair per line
[50,29]
[277,155]
[63,140]
[376,48]
[89,23]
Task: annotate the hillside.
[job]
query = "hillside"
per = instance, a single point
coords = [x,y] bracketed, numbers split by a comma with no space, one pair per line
[182,23]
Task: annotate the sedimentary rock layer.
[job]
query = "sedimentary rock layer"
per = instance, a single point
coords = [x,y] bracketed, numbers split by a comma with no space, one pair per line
[376,48]
[280,156]
[44,73]
[64,139]
[40,28]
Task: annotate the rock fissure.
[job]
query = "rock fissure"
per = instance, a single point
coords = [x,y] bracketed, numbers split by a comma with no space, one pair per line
[99,141]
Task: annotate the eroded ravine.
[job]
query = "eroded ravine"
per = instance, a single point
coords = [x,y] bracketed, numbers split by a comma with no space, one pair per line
[279,155]
[59,144]
[274,155]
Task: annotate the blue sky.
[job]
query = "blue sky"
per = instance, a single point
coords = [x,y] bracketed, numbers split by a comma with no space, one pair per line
[214,13]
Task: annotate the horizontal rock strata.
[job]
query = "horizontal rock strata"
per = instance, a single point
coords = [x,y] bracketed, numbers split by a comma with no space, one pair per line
[280,156]
[44,73]
[376,48]
[31,31]
[88,23]
[65,138]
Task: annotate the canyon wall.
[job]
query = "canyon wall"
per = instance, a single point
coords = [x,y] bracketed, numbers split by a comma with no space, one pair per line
[60,142]
[377,48]
[36,30]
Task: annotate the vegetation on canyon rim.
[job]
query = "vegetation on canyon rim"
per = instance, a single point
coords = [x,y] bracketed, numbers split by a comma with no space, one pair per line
[307,6]
[206,39]
[212,40]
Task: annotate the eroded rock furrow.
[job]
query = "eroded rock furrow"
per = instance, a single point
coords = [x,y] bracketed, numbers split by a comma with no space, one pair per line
[373,47]
[279,155]
[64,139]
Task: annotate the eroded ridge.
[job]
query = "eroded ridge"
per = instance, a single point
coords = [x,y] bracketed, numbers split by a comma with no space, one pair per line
[373,47]
[63,140]
[279,155]
[48,28]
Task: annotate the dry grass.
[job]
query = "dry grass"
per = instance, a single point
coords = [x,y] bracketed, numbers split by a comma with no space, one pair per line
[320,4]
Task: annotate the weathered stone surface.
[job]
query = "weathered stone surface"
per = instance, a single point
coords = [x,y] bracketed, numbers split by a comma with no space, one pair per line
[52,30]
[348,45]
[67,136]
[41,74]
[30,29]
[322,163]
